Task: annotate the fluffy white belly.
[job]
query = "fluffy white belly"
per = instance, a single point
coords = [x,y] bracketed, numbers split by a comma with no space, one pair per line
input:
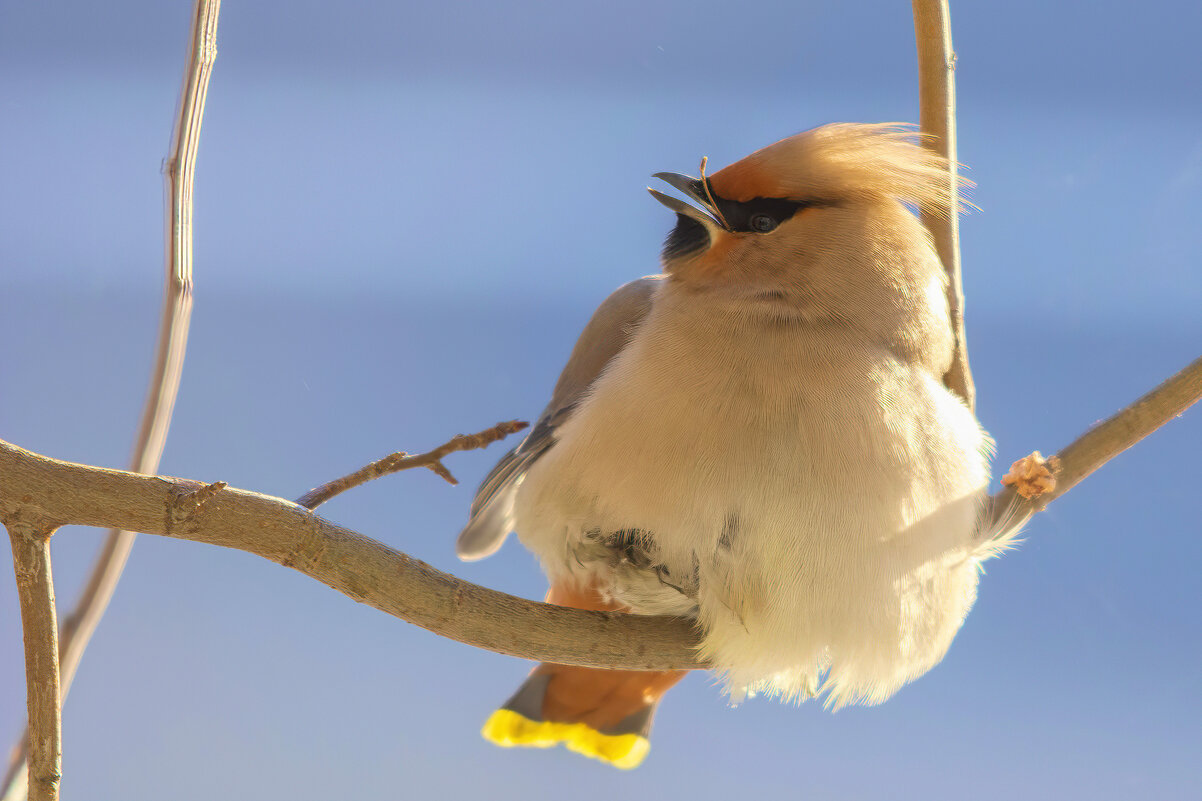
[822,538]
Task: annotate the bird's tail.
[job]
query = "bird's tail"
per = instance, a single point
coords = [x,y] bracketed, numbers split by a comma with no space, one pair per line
[605,714]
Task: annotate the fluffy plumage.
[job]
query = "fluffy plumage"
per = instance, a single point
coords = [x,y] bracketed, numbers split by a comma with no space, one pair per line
[760,437]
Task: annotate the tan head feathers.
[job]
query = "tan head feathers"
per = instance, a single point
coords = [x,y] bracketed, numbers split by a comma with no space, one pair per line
[841,161]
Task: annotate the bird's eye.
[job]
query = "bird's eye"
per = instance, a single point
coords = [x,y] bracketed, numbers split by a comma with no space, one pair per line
[762,223]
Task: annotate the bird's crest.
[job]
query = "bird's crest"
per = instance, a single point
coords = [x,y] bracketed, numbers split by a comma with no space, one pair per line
[842,161]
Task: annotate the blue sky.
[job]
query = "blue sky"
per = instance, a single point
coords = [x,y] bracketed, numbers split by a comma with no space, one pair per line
[404,214]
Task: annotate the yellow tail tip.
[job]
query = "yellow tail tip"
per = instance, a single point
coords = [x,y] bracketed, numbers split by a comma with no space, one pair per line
[507,728]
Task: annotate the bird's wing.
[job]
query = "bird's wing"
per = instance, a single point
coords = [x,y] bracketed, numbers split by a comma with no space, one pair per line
[609,330]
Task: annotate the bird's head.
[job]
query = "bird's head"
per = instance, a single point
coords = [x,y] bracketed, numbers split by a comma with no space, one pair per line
[815,227]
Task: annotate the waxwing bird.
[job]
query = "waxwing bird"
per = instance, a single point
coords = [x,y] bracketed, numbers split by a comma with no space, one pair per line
[759,439]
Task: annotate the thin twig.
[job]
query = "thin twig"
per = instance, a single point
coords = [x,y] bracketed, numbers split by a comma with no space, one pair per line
[1100,444]
[372,573]
[937,116]
[404,461]
[80,624]
[35,587]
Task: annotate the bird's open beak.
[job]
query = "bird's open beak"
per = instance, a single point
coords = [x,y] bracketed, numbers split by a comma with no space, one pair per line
[692,188]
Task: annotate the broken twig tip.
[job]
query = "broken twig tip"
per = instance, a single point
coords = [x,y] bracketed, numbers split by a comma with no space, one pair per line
[1033,475]
[442,472]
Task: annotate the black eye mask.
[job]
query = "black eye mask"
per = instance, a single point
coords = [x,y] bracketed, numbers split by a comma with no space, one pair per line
[758,215]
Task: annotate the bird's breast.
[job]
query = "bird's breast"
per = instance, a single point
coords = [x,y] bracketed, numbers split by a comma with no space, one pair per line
[805,447]
[811,502]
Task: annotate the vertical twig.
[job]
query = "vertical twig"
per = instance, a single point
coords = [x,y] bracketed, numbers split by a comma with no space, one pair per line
[35,588]
[937,116]
[169,359]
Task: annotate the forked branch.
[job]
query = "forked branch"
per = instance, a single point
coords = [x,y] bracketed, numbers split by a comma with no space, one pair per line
[361,568]
[164,381]
[403,461]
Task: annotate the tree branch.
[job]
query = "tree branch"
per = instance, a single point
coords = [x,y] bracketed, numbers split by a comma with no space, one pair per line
[80,624]
[35,587]
[937,116]
[1100,444]
[404,461]
[37,487]
[363,569]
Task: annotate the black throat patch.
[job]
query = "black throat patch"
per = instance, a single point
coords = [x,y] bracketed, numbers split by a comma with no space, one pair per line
[687,238]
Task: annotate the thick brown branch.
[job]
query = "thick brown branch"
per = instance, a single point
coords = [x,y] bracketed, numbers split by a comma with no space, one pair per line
[164,382]
[1100,444]
[404,461]
[937,116]
[35,587]
[361,568]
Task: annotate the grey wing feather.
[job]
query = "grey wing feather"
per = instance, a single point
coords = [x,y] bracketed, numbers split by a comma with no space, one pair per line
[492,509]
[607,333]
